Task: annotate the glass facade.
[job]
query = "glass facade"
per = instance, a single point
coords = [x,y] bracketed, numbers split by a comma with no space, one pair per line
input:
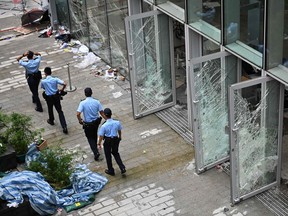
[277,34]
[244,28]
[205,16]
[99,24]
[99,35]
[226,110]
[117,11]
[78,20]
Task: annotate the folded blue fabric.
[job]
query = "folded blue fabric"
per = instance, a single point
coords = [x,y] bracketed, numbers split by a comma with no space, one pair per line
[42,197]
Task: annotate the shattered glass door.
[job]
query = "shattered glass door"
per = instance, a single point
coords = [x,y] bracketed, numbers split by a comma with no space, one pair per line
[78,20]
[255,137]
[209,82]
[148,43]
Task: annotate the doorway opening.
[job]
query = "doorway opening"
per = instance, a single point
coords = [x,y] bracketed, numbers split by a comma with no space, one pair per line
[177,116]
[180,64]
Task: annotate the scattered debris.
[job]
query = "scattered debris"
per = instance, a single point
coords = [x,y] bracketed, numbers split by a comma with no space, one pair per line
[117,94]
[89,59]
[63,35]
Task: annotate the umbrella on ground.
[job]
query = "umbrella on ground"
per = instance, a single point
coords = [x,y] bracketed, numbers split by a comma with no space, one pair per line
[34,16]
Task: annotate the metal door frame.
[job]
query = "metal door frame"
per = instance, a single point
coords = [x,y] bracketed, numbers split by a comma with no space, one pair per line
[195,120]
[131,63]
[235,193]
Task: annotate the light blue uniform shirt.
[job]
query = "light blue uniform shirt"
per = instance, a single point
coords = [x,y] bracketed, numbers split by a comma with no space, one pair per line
[32,65]
[110,128]
[50,85]
[90,108]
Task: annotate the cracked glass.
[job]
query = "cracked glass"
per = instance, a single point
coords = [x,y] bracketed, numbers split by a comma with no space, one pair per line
[149,49]
[78,20]
[212,113]
[117,11]
[98,24]
[255,122]
[98,27]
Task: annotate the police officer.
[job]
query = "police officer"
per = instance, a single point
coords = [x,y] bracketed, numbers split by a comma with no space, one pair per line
[53,97]
[90,108]
[110,131]
[33,75]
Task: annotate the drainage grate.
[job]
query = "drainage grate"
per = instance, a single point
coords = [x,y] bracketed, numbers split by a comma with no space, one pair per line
[273,199]
[176,118]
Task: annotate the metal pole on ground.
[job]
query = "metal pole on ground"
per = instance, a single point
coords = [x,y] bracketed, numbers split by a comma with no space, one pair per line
[70,88]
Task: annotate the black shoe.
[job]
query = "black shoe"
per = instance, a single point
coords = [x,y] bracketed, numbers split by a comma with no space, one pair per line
[97,157]
[123,171]
[50,122]
[109,173]
[65,131]
[39,109]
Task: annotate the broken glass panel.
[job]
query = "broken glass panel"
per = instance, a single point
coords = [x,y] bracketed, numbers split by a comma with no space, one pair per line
[62,12]
[98,29]
[99,24]
[256,125]
[150,52]
[117,11]
[212,113]
[78,20]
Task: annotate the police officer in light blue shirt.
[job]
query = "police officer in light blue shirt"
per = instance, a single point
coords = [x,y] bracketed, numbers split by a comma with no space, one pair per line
[91,109]
[110,131]
[33,75]
[53,97]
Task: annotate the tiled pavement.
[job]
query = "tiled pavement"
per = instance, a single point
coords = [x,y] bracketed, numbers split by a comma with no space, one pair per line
[160,176]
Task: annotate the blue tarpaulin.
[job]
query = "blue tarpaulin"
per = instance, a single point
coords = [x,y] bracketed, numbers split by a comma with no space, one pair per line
[42,197]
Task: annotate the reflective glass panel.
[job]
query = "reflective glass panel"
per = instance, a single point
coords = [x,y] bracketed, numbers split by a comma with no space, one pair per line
[256,129]
[205,16]
[78,19]
[117,10]
[277,34]
[244,28]
[173,7]
[151,79]
[98,27]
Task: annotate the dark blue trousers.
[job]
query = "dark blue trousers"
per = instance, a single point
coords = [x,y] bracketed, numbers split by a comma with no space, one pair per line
[54,100]
[111,146]
[33,84]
